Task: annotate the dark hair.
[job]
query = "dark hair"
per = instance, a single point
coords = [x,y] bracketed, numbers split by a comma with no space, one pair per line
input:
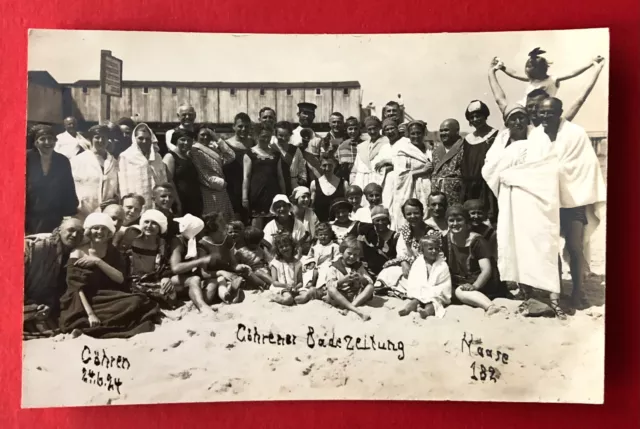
[353,189]
[252,236]
[413,202]
[181,132]
[325,227]
[457,210]
[284,125]
[537,93]
[306,132]
[352,121]
[241,117]
[373,186]
[109,202]
[136,197]
[280,240]
[236,224]
[393,103]
[484,110]
[126,121]
[539,63]
[211,221]
[259,128]
[98,130]
[166,185]
[438,194]
[337,114]
[264,109]
[205,126]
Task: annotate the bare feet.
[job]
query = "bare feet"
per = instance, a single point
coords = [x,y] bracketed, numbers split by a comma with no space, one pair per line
[364,317]
[493,309]
[427,311]
[76,333]
[411,306]
[344,311]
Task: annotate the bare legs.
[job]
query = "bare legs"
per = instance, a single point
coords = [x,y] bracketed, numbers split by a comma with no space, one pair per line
[475,298]
[338,300]
[574,235]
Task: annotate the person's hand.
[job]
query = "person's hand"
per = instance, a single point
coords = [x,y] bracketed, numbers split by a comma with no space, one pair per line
[87,261]
[94,321]
[599,59]
[166,286]
[243,269]
[245,203]
[467,287]
[497,64]
[428,167]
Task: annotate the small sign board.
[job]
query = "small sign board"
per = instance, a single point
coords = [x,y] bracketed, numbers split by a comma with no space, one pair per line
[110,74]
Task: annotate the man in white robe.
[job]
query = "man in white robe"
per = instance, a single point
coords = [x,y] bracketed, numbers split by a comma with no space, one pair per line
[70,143]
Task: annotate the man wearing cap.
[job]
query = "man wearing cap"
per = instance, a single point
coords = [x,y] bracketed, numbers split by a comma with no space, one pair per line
[70,143]
[187,118]
[310,152]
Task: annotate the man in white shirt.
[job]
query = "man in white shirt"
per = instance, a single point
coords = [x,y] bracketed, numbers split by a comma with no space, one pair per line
[70,143]
[306,116]
[187,118]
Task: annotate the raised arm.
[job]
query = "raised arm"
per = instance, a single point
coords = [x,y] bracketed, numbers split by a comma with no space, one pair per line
[496,89]
[580,70]
[245,181]
[573,110]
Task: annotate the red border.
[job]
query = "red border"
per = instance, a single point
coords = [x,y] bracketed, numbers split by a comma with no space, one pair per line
[334,16]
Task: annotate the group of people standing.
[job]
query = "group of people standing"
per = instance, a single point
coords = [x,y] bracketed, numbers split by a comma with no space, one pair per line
[120,225]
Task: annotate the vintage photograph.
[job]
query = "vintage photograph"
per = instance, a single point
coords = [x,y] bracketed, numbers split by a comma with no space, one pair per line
[246,217]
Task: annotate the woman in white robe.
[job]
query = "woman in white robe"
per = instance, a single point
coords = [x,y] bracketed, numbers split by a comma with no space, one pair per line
[371,153]
[95,173]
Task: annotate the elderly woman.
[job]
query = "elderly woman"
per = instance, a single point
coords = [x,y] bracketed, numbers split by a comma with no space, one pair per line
[301,199]
[140,168]
[475,148]
[183,173]
[286,221]
[50,189]
[447,161]
[366,168]
[95,172]
[45,256]
[97,302]
[412,167]
[473,270]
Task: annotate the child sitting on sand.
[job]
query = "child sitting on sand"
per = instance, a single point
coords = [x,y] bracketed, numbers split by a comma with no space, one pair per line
[309,272]
[373,194]
[324,252]
[253,255]
[480,224]
[429,284]
[342,225]
[286,270]
[223,276]
[348,284]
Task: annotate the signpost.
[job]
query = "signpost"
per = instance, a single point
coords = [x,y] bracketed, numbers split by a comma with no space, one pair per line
[110,82]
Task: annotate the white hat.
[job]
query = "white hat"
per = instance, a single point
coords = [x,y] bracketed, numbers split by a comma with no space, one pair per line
[156,216]
[190,226]
[100,219]
[280,198]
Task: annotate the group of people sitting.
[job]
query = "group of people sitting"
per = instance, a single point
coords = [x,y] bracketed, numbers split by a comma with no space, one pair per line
[116,231]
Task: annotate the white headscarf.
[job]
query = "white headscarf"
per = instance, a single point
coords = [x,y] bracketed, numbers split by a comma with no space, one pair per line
[299,191]
[190,226]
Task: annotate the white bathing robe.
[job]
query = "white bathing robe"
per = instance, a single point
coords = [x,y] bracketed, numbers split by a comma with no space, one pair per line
[93,183]
[430,283]
[369,154]
[69,145]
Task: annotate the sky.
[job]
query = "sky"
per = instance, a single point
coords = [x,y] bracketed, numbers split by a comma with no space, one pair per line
[437,74]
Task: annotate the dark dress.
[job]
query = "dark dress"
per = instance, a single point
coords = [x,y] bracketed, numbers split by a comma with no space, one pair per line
[187,183]
[473,185]
[122,314]
[464,265]
[375,252]
[234,176]
[322,204]
[49,197]
[264,184]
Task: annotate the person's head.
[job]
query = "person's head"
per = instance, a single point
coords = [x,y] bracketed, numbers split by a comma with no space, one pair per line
[458,220]
[281,207]
[153,223]
[340,210]
[350,250]
[262,133]
[437,202]
[354,196]
[373,194]
[189,226]
[186,115]
[550,114]
[516,120]
[126,127]
[308,263]
[267,116]
[327,164]
[324,233]
[306,134]
[242,126]
[204,135]
[449,131]
[252,236]
[132,205]
[390,129]
[283,131]
[99,228]
[301,196]
[143,137]
[431,246]
[402,129]
[71,125]
[381,219]
[392,110]
[115,135]
[373,126]
[336,122]
[534,98]
[235,230]
[71,232]
[284,247]
[183,138]
[214,222]
[477,114]
[536,66]
[164,196]
[475,208]
[417,132]
[116,213]
[306,113]
[413,211]
[43,138]
[98,135]
[353,127]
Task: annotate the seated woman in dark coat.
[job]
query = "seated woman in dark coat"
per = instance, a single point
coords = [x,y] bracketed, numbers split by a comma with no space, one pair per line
[97,302]
[51,191]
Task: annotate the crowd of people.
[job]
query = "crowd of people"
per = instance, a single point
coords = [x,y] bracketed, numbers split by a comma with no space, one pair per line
[121,226]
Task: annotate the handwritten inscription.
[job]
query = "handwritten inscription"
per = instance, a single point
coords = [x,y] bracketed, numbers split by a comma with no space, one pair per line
[482,368]
[102,362]
[314,339]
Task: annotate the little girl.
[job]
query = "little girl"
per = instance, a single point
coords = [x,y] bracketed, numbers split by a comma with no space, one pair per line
[253,255]
[536,73]
[429,284]
[342,224]
[324,252]
[286,270]
[234,232]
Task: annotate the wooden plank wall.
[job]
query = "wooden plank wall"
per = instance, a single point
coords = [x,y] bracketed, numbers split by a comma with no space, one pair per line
[287,105]
[44,104]
[257,101]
